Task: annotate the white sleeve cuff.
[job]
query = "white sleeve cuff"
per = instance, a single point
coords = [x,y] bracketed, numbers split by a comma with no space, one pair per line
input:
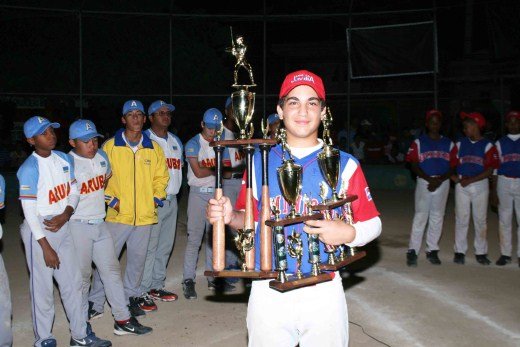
[366,231]
[73,198]
[31,216]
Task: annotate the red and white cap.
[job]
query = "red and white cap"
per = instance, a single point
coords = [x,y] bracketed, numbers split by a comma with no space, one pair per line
[433,112]
[512,114]
[476,116]
[302,77]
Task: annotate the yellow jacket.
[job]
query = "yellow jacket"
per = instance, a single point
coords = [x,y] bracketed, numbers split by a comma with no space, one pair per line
[138,180]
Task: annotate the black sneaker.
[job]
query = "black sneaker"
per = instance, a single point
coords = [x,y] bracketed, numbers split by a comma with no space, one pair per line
[503,260]
[483,259]
[132,327]
[459,258]
[93,314]
[433,257]
[411,258]
[188,287]
[146,303]
[134,308]
[91,341]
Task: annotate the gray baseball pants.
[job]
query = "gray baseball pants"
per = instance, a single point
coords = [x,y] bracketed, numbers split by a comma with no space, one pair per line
[6,335]
[162,237]
[94,244]
[136,239]
[69,281]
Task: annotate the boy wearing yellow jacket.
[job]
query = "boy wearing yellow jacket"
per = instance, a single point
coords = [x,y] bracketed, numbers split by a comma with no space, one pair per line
[136,188]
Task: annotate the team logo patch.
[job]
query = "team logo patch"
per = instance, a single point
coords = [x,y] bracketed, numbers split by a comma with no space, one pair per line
[88,126]
[103,164]
[174,148]
[147,162]
[25,187]
[190,150]
[65,169]
[367,192]
[134,104]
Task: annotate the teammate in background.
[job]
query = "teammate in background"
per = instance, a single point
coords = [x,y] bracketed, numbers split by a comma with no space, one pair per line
[475,159]
[430,156]
[162,235]
[6,335]
[201,179]
[49,196]
[273,121]
[136,188]
[506,187]
[271,316]
[88,228]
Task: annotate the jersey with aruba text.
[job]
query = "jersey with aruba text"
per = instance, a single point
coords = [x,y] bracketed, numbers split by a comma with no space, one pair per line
[474,157]
[433,156]
[172,148]
[91,175]
[198,147]
[352,181]
[48,181]
[508,148]
[235,155]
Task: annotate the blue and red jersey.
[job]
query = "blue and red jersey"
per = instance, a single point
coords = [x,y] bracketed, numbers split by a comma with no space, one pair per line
[434,157]
[509,156]
[473,158]
[352,181]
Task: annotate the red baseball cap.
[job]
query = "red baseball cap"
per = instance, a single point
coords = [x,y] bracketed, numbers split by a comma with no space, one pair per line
[302,77]
[477,117]
[512,114]
[433,112]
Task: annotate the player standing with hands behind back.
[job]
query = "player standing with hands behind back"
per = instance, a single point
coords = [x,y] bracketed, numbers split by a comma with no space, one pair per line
[49,197]
[292,318]
[476,157]
[430,156]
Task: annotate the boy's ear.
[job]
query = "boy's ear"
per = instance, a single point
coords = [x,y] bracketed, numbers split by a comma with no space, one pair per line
[280,111]
[30,141]
[72,143]
[123,120]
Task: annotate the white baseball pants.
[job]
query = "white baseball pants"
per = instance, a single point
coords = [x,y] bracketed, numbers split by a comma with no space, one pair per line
[508,190]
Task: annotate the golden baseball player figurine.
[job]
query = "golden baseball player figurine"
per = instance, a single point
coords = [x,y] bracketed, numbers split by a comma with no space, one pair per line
[239,50]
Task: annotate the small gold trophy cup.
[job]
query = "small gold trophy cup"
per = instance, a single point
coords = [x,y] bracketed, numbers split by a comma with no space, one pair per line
[243,102]
[289,177]
[328,158]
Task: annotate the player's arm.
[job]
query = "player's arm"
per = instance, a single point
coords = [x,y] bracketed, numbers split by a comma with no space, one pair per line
[57,222]
[198,170]
[493,196]
[111,190]
[161,177]
[490,163]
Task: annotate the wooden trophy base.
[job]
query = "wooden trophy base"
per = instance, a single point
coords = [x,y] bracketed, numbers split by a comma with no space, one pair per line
[289,221]
[333,204]
[343,263]
[294,283]
[242,274]
[243,142]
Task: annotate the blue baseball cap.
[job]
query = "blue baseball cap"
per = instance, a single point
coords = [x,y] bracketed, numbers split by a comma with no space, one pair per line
[131,105]
[212,118]
[37,125]
[157,105]
[228,102]
[273,118]
[83,130]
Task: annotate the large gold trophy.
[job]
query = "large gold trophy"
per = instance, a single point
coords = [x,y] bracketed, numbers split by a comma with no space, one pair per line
[243,106]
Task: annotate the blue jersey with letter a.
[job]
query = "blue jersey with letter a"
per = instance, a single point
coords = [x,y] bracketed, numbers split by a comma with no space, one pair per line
[351,181]
[509,156]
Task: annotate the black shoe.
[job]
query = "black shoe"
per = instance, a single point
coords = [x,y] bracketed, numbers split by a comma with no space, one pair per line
[459,258]
[132,327]
[188,287]
[49,343]
[411,258]
[146,303]
[93,314]
[503,260]
[221,286]
[90,341]
[433,257]
[483,259]
[134,308]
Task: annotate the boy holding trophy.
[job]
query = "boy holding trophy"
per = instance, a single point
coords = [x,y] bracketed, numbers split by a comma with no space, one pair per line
[314,315]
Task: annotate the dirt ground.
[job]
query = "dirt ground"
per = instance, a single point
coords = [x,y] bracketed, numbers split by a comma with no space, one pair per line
[389,303]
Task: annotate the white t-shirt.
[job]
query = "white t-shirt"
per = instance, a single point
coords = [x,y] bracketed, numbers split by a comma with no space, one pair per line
[91,175]
[172,148]
[48,181]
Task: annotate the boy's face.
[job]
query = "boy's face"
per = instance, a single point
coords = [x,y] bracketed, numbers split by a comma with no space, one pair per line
[471,128]
[134,120]
[513,125]
[46,141]
[161,118]
[301,112]
[85,149]
[207,133]
[434,124]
